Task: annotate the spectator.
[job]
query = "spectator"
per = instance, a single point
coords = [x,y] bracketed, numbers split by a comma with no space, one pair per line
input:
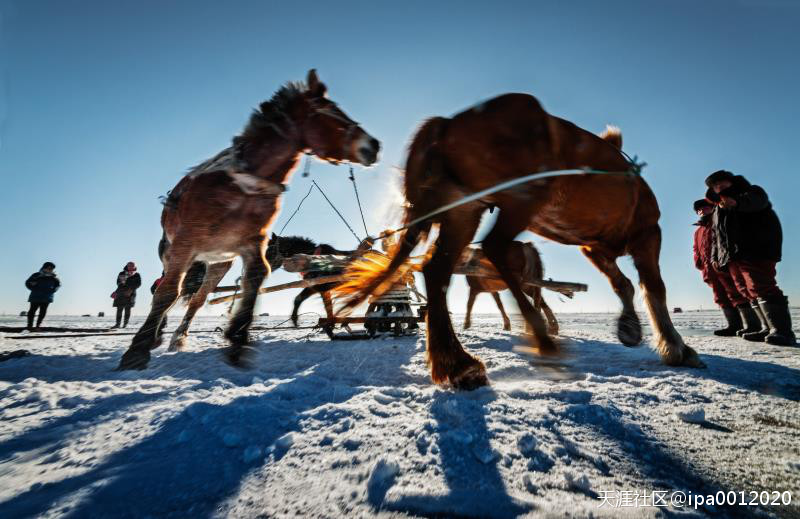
[735,307]
[43,285]
[125,295]
[748,242]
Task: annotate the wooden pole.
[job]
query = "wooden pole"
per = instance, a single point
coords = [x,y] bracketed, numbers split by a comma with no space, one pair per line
[303,283]
[563,287]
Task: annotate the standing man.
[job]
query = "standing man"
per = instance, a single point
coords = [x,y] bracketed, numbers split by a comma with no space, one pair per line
[748,243]
[735,307]
[43,285]
[128,281]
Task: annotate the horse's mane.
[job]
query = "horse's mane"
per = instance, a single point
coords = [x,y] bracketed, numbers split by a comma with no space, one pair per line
[295,243]
[271,116]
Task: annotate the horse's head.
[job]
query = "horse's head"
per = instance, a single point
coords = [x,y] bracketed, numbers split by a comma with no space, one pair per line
[274,255]
[330,133]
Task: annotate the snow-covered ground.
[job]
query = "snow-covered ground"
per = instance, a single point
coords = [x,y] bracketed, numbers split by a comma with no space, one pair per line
[322,429]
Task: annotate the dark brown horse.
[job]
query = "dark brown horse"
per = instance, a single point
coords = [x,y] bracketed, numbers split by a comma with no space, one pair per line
[224,207]
[282,247]
[526,264]
[608,216]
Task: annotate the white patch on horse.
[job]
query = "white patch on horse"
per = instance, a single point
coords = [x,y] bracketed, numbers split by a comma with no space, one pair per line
[223,161]
[216,256]
[253,185]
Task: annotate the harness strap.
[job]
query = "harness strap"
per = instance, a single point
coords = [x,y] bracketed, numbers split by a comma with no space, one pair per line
[634,171]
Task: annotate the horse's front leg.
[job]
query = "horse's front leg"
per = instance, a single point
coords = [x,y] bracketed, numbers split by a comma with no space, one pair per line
[256,269]
[148,337]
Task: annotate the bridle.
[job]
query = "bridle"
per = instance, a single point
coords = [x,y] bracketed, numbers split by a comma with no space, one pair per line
[350,126]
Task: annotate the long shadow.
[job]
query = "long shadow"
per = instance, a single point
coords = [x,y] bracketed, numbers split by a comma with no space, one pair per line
[626,443]
[50,434]
[468,463]
[198,457]
[610,359]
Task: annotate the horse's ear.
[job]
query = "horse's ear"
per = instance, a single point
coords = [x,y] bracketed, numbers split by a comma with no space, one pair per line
[315,87]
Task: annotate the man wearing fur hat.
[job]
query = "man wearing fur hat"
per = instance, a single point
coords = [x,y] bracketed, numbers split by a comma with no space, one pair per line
[735,306]
[748,244]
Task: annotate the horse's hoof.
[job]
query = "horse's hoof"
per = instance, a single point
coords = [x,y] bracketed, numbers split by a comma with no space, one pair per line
[471,378]
[629,330]
[691,359]
[134,359]
[240,356]
[507,327]
[177,344]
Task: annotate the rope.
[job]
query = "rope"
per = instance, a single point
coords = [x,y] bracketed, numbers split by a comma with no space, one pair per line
[337,211]
[358,199]
[296,210]
[635,170]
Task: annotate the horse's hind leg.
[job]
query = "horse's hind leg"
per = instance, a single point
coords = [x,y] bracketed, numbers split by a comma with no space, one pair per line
[645,249]
[552,322]
[497,246]
[470,302]
[499,302]
[214,274]
[138,354]
[447,358]
[256,269]
[629,330]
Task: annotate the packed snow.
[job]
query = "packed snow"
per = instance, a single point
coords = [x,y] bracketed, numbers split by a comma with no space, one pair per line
[327,429]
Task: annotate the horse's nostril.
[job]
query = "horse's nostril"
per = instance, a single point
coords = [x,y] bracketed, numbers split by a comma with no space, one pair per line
[375,143]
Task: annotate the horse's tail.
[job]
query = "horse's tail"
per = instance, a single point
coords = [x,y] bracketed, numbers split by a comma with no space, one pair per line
[613,136]
[374,273]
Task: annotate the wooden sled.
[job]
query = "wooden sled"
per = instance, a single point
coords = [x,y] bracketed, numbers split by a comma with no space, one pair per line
[397,326]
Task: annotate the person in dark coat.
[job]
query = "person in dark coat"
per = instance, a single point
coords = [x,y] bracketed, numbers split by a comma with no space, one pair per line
[43,285]
[735,306]
[748,244]
[125,296]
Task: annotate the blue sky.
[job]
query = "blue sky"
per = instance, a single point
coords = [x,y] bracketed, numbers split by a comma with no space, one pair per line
[104,105]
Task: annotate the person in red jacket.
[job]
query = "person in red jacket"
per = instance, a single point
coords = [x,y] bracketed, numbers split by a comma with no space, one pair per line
[735,306]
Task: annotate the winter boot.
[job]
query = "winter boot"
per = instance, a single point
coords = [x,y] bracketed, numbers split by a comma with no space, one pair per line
[776,310]
[734,322]
[750,321]
[761,334]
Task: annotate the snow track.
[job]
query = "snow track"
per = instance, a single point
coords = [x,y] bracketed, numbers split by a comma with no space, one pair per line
[356,428]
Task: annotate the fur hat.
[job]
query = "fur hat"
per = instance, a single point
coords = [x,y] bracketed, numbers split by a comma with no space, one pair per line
[719,176]
[711,196]
[703,202]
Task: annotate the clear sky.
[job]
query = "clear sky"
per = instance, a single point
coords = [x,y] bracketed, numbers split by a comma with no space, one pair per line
[104,105]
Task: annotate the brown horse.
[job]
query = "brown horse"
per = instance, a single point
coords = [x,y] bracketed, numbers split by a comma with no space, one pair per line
[224,207]
[608,216]
[526,264]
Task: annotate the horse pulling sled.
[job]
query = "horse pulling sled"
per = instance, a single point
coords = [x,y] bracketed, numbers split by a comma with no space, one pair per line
[392,312]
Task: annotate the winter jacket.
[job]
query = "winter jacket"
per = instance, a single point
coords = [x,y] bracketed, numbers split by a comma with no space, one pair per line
[126,289]
[703,243]
[750,230]
[42,287]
